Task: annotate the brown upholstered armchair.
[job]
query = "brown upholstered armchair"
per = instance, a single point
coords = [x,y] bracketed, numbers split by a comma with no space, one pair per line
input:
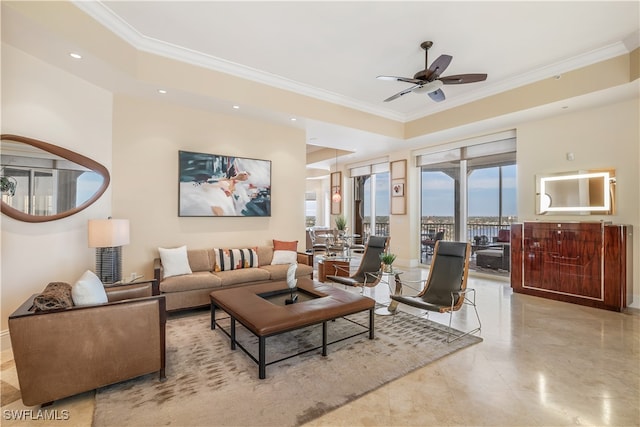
[62,352]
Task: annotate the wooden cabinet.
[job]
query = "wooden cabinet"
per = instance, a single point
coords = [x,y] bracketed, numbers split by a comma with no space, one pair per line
[586,263]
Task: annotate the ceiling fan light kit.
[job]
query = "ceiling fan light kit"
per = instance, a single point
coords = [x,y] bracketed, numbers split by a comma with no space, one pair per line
[429,81]
[429,87]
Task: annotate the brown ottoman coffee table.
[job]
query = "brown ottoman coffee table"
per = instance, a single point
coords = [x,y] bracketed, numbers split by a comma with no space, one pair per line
[257,308]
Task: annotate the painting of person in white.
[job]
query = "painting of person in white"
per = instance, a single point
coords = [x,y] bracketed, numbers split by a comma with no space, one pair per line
[213,185]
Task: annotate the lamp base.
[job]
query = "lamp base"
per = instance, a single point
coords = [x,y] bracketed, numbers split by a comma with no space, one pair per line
[109,264]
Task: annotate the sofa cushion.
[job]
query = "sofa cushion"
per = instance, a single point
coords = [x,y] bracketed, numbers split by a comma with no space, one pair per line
[234,259]
[243,275]
[88,290]
[265,255]
[188,282]
[174,261]
[200,259]
[279,272]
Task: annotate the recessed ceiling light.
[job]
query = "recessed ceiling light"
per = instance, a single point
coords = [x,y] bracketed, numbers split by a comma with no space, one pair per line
[162,91]
[293,119]
[75,55]
[236,107]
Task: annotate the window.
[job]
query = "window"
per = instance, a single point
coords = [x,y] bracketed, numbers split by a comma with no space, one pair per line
[310,209]
[467,194]
[371,199]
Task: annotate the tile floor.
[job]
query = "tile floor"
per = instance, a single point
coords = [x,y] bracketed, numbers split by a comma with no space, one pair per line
[542,363]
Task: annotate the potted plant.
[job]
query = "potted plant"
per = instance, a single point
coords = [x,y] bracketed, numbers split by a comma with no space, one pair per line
[387,259]
[341,223]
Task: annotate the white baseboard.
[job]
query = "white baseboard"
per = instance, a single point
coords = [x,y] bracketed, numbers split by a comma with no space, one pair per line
[5,340]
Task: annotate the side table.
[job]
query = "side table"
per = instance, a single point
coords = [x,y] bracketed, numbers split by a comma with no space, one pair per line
[332,266]
[393,306]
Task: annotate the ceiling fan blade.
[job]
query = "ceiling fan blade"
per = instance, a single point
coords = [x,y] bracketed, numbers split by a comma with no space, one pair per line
[437,96]
[400,79]
[463,78]
[438,66]
[399,94]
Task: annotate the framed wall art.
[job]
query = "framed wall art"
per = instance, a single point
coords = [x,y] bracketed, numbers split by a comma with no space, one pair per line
[217,185]
[398,182]
[397,190]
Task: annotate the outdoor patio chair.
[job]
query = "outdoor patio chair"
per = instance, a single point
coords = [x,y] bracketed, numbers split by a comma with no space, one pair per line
[430,244]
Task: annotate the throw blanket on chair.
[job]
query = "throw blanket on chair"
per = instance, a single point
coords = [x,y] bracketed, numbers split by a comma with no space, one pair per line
[55,295]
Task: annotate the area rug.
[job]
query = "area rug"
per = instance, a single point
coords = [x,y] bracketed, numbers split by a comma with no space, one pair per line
[208,384]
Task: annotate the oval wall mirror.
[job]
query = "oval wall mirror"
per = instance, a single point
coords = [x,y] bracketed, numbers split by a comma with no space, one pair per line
[44,182]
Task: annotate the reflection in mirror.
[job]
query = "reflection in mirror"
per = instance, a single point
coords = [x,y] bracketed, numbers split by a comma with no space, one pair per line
[586,192]
[43,182]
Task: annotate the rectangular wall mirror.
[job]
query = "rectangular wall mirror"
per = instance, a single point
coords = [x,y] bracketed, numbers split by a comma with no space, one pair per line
[578,192]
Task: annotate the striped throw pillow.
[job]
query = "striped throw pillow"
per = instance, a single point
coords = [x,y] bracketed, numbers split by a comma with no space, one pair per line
[234,259]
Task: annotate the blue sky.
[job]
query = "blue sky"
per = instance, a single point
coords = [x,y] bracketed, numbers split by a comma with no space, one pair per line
[438,197]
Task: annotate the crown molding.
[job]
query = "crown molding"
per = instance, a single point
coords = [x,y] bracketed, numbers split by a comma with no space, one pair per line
[105,16]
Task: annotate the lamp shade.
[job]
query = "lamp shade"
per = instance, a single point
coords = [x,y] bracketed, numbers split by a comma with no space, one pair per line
[108,233]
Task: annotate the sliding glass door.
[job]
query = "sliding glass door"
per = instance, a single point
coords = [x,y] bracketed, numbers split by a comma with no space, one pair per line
[469,194]
[439,210]
[372,204]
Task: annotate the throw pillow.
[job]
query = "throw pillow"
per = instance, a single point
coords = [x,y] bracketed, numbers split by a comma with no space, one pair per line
[88,290]
[174,261]
[284,257]
[279,245]
[284,252]
[234,259]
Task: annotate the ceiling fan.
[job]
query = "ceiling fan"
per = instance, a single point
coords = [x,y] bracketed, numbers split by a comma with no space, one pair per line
[429,80]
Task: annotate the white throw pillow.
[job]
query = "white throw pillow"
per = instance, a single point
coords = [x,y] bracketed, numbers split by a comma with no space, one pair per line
[174,261]
[284,257]
[88,290]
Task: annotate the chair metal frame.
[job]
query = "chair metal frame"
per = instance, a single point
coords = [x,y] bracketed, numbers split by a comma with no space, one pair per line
[316,246]
[459,298]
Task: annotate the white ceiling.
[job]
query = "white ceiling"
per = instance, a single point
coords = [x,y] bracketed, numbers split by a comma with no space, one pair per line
[334,50]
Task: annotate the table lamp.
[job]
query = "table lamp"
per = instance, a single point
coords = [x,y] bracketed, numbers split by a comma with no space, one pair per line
[108,236]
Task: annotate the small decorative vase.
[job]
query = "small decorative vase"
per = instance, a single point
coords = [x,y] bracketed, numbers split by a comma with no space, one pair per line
[387,268]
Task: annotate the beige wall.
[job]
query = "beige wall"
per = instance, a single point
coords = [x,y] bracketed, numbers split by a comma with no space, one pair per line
[147,135]
[605,137]
[45,103]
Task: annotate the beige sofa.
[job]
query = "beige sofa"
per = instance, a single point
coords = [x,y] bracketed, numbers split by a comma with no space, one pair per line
[192,290]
